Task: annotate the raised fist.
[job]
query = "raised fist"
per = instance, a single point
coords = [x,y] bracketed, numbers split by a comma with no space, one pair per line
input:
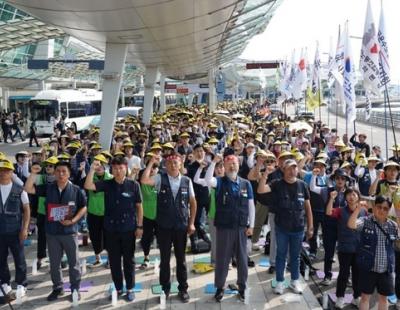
[334,194]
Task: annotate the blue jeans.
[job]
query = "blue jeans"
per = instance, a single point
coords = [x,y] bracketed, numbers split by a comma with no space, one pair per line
[293,240]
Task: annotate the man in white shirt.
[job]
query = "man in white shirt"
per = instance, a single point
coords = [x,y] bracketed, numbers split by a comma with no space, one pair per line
[14,224]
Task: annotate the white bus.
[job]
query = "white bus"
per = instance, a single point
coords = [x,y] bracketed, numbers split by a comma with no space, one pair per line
[80,107]
[138,98]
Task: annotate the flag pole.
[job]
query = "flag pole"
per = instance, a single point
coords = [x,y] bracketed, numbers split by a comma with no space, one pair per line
[319,98]
[330,104]
[391,121]
[337,111]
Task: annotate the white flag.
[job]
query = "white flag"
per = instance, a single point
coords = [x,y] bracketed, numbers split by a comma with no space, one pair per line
[349,78]
[368,106]
[300,80]
[384,68]
[331,61]
[315,81]
[289,77]
[336,67]
[369,57]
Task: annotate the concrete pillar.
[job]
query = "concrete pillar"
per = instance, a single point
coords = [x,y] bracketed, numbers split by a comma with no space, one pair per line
[4,98]
[149,85]
[42,85]
[190,99]
[163,106]
[122,96]
[113,69]
[212,96]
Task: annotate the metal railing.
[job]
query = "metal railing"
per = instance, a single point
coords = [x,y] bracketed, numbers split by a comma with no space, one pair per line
[377,117]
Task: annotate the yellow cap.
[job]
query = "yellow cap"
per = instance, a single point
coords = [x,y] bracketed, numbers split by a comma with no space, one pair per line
[185,135]
[64,156]
[106,154]
[213,140]
[96,146]
[101,158]
[51,160]
[284,154]
[73,145]
[156,146]
[168,145]
[128,144]
[346,149]
[119,153]
[6,164]
[339,143]
[345,164]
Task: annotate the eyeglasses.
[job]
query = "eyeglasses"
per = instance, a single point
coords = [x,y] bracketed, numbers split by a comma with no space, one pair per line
[49,166]
[270,161]
[382,208]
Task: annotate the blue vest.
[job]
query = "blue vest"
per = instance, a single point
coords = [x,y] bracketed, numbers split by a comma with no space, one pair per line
[368,244]
[120,207]
[290,213]
[173,213]
[232,207]
[364,183]
[348,239]
[68,197]
[11,211]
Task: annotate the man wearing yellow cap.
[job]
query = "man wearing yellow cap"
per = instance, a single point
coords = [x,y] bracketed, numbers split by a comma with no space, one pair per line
[176,212]
[44,178]
[14,223]
[123,221]
[65,206]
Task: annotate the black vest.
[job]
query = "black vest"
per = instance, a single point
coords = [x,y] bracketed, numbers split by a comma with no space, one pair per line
[67,197]
[120,207]
[232,208]
[364,182]
[173,213]
[290,213]
[348,239]
[11,211]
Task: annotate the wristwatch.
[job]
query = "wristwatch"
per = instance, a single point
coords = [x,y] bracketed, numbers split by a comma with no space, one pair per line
[139,227]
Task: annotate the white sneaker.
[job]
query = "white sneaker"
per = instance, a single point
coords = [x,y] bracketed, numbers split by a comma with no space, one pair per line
[356,302]
[296,286]
[23,290]
[7,289]
[279,288]
[339,303]
[255,247]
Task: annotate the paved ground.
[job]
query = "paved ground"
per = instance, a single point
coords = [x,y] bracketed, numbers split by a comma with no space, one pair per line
[261,295]
[259,280]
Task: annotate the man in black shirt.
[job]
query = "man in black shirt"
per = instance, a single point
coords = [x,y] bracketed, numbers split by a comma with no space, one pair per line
[291,204]
[123,220]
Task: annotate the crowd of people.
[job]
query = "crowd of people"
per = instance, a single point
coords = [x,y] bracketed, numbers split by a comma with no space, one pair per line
[216,178]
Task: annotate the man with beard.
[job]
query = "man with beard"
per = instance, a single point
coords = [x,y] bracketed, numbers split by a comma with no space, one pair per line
[234,222]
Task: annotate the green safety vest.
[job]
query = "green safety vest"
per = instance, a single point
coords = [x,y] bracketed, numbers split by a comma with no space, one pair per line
[211,212]
[41,200]
[149,195]
[96,200]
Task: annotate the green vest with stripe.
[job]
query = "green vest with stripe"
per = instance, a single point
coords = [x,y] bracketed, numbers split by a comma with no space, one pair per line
[96,200]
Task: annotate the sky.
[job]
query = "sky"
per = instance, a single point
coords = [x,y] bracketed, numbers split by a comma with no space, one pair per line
[299,24]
